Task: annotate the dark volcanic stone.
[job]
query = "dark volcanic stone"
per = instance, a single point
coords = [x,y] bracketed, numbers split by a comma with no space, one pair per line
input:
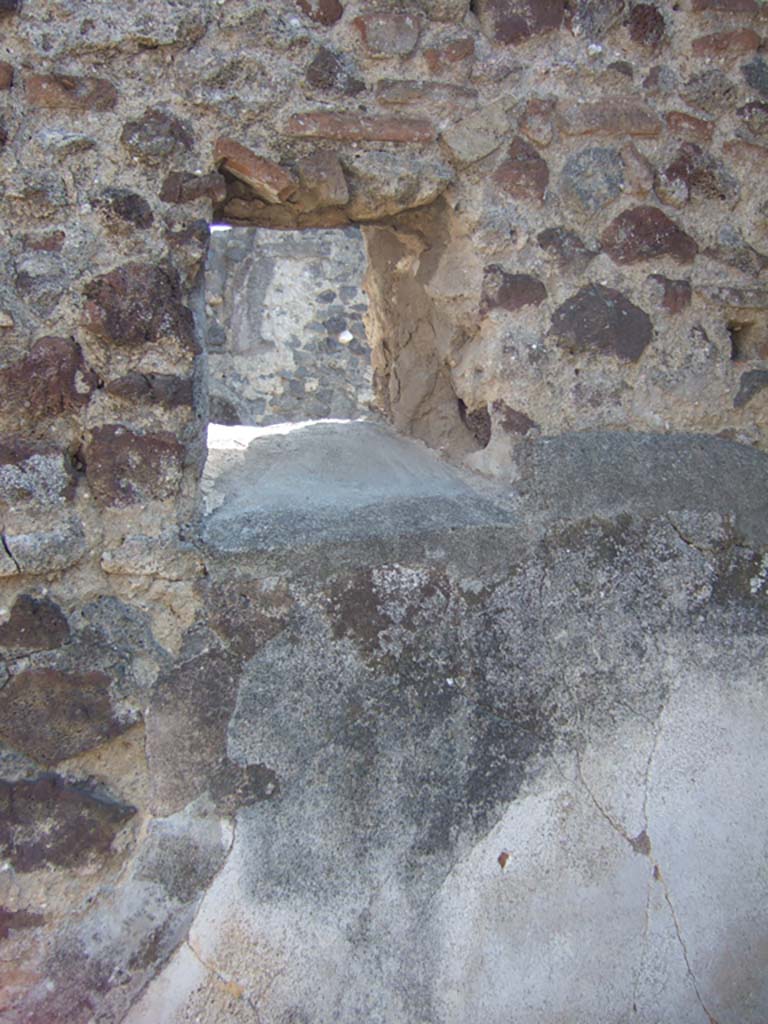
[594,18]
[566,246]
[478,423]
[15,920]
[710,90]
[756,75]
[50,822]
[329,72]
[510,291]
[34,625]
[139,304]
[600,319]
[51,715]
[53,379]
[695,174]
[125,205]
[646,25]
[156,136]
[153,388]
[592,178]
[645,232]
[512,420]
[752,383]
[126,468]
[185,187]
[524,174]
[755,117]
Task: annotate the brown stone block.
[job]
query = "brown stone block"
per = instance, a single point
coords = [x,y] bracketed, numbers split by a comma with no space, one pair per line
[726,44]
[120,204]
[52,241]
[690,127]
[6,75]
[602,320]
[51,715]
[738,150]
[139,304]
[442,57]
[360,128]
[127,468]
[646,232]
[153,388]
[621,116]
[34,625]
[53,380]
[388,33]
[513,21]
[268,180]
[510,291]
[324,12]
[48,821]
[524,174]
[156,136]
[68,92]
[333,72]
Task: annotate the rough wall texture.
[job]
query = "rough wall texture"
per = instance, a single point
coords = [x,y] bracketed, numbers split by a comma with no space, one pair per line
[284,327]
[563,204]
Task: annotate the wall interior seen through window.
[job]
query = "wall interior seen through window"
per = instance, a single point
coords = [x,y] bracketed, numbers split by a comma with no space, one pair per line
[285,326]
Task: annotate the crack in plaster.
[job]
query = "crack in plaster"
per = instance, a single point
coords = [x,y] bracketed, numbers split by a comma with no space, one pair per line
[9,552]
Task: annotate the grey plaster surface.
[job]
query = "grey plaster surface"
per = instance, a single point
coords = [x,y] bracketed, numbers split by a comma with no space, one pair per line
[505,770]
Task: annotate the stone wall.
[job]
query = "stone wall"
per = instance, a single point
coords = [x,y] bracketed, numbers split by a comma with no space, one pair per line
[284,331]
[563,205]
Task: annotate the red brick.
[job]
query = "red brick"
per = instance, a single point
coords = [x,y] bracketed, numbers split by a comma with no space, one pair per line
[509,22]
[139,304]
[388,34]
[524,174]
[6,75]
[729,6]
[441,58]
[646,232]
[623,116]
[68,92]
[726,44]
[689,127]
[324,12]
[739,150]
[268,180]
[360,128]
[51,381]
[127,468]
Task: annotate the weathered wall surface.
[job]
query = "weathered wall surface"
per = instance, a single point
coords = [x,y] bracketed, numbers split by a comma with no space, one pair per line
[563,203]
[284,328]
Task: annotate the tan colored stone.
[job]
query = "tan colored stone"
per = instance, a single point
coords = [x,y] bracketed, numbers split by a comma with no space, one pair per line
[68,92]
[322,176]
